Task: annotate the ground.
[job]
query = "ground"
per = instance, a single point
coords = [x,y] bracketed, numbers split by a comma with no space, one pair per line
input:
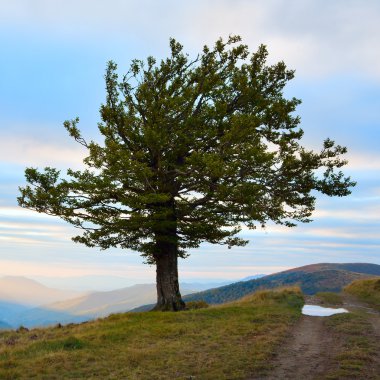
[262,336]
[345,346]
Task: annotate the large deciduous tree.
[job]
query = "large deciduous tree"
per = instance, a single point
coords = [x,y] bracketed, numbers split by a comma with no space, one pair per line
[193,150]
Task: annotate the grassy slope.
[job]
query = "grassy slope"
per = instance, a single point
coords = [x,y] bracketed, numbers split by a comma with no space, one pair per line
[366,290]
[358,357]
[231,341]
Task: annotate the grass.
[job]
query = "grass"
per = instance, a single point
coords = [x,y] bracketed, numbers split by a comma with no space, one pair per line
[366,290]
[233,341]
[329,298]
[358,357]
[360,347]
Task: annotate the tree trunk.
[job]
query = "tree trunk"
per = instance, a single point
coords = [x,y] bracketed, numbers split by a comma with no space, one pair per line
[168,294]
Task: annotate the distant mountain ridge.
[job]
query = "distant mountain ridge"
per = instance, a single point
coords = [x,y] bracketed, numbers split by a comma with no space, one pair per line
[311,278]
[19,295]
[365,268]
[95,305]
[27,292]
[23,302]
[254,277]
[4,326]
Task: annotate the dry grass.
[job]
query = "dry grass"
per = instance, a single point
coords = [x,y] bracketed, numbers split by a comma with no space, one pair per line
[357,358]
[366,290]
[329,298]
[233,341]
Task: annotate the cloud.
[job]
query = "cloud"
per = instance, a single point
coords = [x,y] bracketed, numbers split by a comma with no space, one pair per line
[364,161]
[32,151]
[63,269]
[313,37]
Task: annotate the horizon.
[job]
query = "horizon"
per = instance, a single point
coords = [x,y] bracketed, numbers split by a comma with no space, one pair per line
[54,60]
[88,284]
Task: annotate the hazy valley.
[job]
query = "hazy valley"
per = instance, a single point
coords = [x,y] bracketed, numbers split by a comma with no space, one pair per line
[28,303]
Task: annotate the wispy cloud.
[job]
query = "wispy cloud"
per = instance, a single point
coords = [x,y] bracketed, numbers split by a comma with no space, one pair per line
[31,151]
[316,38]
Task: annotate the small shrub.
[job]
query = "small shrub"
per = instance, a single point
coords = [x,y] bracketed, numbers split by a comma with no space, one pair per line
[22,329]
[72,343]
[193,305]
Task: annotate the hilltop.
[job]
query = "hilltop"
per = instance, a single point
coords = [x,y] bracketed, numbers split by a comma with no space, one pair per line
[324,277]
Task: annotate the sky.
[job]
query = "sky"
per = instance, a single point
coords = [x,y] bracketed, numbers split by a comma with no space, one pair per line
[52,65]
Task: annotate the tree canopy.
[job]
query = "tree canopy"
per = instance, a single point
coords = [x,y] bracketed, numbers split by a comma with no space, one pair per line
[193,150]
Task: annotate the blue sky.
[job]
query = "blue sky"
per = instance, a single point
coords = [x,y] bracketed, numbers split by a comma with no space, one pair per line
[53,58]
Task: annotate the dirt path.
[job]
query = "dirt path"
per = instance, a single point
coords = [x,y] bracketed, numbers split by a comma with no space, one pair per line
[309,351]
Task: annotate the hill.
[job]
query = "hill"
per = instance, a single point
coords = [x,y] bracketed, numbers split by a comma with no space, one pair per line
[366,290]
[9,310]
[4,326]
[366,268]
[311,278]
[90,306]
[102,304]
[233,341]
[28,303]
[27,292]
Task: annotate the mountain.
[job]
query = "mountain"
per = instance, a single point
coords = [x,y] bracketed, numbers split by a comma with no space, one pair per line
[185,287]
[20,295]
[86,283]
[27,292]
[99,304]
[4,326]
[311,278]
[254,277]
[28,303]
[8,312]
[366,268]
[92,305]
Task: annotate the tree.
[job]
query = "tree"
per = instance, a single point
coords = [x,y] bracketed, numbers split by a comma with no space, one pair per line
[193,150]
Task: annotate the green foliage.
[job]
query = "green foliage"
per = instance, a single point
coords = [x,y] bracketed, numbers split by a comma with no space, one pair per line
[192,150]
[366,290]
